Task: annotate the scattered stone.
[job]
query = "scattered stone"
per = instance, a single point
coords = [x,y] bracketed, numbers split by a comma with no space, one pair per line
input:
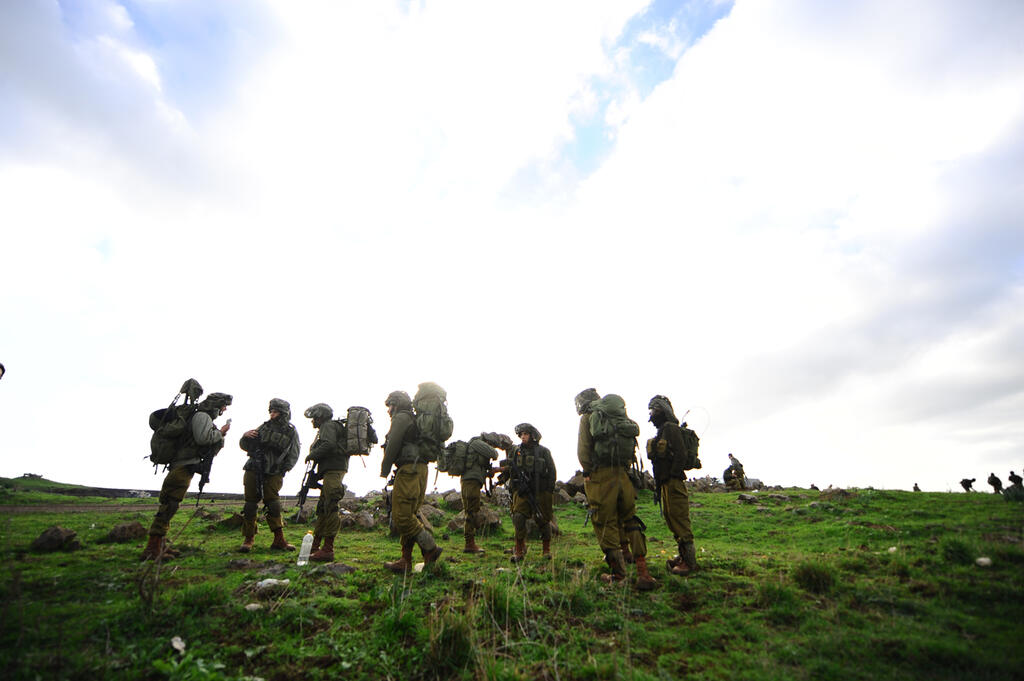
[253,607]
[232,522]
[274,569]
[778,497]
[350,504]
[983,561]
[836,493]
[574,485]
[500,497]
[581,499]
[762,509]
[561,497]
[454,501]
[271,587]
[364,520]
[124,532]
[56,539]
[488,521]
[746,498]
[432,513]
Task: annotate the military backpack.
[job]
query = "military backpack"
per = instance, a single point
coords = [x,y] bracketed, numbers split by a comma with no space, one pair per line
[691,459]
[359,433]
[453,458]
[171,425]
[434,424]
[613,431]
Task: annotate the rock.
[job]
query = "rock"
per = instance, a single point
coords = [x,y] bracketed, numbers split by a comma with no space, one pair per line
[432,513]
[125,532]
[232,522]
[574,485]
[983,561]
[364,520]
[500,497]
[453,500]
[350,504]
[253,607]
[752,484]
[746,498]
[581,499]
[56,539]
[561,497]
[488,521]
[334,569]
[303,515]
[274,569]
[533,532]
[271,587]
[778,497]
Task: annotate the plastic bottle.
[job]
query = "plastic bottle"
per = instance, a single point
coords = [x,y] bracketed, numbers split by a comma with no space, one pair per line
[307,545]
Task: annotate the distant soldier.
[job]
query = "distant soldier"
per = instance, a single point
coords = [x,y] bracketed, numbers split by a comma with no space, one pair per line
[402,450]
[916,488]
[273,449]
[201,441]
[531,475]
[997,484]
[1015,479]
[606,449]
[966,484]
[2,371]
[668,453]
[733,476]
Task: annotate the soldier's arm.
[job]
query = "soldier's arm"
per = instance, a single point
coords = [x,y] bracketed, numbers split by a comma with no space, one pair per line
[585,446]
[400,424]
[292,453]
[204,432]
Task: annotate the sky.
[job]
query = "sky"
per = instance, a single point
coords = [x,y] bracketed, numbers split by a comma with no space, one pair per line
[803,222]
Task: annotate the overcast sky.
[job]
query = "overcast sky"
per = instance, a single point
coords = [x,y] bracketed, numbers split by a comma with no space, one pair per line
[802,221]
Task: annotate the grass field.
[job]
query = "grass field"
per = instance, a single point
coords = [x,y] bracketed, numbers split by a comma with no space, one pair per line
[796,585]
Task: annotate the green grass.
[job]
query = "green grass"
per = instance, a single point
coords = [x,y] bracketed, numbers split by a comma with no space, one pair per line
[882,584]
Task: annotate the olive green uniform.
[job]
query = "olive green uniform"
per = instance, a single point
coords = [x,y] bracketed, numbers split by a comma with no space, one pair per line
[478,457]
[534,462]
[328,453]
[272,453]
[667,451]
[204,439]
[402,450]
[611,497]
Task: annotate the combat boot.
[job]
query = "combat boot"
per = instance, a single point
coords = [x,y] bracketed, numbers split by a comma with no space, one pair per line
[687,562]
[519,552]
[326,554]
[644,581]
[618,567]
[545,551]
[627,555]
[152,548]
[316,544]
[471,546]
[403,564]
[247,543]
[428,547]
[280,543]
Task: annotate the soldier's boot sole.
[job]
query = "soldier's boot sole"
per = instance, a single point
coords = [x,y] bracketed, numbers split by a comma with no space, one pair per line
[322,556]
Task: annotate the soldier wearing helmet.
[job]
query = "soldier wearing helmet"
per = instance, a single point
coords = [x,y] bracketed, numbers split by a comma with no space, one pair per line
[328,454]
[273,449]
[531,478]
[667,452]
[201,441]
[401,450]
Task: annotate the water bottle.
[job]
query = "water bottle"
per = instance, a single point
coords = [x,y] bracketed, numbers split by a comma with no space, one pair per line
[307,544]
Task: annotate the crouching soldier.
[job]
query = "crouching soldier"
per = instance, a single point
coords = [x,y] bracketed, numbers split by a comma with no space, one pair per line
[201,441]
[328,454]
[273,449]
[669,454]
[402,450]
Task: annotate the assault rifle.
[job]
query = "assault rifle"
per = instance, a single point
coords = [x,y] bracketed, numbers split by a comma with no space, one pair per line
[522,482]
[311,480]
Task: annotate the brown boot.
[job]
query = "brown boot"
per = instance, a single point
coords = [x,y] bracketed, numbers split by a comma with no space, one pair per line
[627,555]
[152,549]
[687,562]
[316,544]
[519,552]
[403,564]
[471,546]
[618,567]
[326,554]
[545,551]
[644,581]
[247,544]
[428,547]
[280,543]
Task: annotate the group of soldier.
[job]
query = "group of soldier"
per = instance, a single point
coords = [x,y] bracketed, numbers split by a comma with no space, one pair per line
[605,449]
[997,484]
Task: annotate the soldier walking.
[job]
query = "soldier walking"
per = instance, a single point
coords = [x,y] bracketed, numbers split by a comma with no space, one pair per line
[273,449]
[202,440]
[606,448]
[997,484]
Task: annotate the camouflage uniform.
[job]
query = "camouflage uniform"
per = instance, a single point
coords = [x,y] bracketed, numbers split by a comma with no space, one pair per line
[478,456]
[532,465]
[328,453]
[272,453]
[667,452]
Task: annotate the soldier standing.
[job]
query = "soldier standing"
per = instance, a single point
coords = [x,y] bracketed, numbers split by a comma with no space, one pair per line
[402,450]
[273,449]
[531,474]
[479,454]
[997,484]
[202,440]
[328,454]
[667,451]
[606,450]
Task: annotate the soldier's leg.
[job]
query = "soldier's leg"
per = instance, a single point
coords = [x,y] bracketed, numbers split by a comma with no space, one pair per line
[471,506]
[626,509]
[676,504]
[328,523]
[252,490]
[602,495]
[272,502]
[520,514]
[171,494]
[546,502]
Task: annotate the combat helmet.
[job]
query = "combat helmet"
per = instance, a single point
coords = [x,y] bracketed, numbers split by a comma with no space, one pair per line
[277,404]
[584,399]
[528,428]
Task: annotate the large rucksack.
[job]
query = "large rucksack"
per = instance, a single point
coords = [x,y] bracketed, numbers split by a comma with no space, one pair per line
[613,431]
[432,420]
[171,425]
[452,459]
[359,433]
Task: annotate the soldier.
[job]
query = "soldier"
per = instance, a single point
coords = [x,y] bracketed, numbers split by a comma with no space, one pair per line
[667,451]
[966,484]
[273,449]
[605,460]
[916,488]
[402,450]
[479,454]
[531,474]
[997,484]
[1015,479]
[733,476]
[202,441]
[328,454]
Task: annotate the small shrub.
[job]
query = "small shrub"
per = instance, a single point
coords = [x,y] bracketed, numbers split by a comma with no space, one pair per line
[451,642]
[956,551]
[814,577]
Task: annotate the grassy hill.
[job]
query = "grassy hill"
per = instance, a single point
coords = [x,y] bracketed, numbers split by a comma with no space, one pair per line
[861,585]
